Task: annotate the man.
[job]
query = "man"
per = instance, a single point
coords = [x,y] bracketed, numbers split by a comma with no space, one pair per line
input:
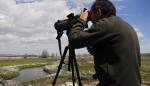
[113,42]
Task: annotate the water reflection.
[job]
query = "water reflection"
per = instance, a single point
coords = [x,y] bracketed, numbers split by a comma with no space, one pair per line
[30,74]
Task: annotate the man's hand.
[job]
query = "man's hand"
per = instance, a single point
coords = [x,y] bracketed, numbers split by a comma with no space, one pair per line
[84,15]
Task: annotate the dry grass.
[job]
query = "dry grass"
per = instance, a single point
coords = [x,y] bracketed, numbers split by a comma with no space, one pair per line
[86,71]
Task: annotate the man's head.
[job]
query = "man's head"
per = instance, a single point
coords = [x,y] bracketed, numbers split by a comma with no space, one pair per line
[101,9]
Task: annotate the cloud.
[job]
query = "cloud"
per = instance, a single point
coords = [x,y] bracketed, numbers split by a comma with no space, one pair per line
[145,45]
[25,1]
[79,4]
[117,0]
[120,8]
[83,1]
[29,26]
[9,37]
[138,31]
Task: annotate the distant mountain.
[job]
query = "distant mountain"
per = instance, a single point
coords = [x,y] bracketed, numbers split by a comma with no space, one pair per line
[8,55]
[12,55]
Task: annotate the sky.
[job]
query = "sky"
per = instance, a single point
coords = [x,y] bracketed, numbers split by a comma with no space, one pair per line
[27,26]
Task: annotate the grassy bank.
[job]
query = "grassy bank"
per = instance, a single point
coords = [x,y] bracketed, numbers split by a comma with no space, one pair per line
[10,68]
[86,71]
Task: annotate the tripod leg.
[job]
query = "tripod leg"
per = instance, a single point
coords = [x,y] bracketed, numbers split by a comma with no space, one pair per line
[60,65]
[77,70]
[72,66]
[69,63]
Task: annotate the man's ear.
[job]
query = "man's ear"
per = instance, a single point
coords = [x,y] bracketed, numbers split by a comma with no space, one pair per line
[100,12]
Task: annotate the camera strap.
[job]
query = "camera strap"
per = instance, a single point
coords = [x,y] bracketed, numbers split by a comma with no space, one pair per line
[59,41]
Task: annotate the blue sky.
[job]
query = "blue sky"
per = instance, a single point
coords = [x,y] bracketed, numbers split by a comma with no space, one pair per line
[136,13]
[27,26]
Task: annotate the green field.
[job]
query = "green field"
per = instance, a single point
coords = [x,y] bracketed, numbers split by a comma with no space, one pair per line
[85,66]
[86,71]
[12,62]
[145,71]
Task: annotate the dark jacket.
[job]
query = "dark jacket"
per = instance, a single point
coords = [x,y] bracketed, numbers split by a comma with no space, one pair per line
[116,50]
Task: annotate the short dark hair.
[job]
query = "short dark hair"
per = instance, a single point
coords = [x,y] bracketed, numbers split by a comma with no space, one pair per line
[106,6]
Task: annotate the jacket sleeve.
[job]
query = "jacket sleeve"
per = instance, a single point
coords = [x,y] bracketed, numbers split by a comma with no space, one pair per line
[78,38]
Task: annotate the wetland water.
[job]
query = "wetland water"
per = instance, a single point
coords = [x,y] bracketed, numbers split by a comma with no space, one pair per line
[30,74]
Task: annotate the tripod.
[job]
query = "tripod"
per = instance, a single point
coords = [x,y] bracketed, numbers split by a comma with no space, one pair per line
[72,64]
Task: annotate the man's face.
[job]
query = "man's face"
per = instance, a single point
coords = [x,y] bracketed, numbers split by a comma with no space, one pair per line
[95,15]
